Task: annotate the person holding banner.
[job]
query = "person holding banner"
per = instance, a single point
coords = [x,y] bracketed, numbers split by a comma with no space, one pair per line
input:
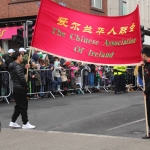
[19,92]
[146,62]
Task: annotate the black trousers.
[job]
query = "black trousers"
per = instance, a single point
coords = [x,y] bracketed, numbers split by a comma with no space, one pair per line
[123,82]
[148,110]
[117,82]
[20,96]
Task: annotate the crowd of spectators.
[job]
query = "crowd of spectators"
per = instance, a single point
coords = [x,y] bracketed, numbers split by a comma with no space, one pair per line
[51,73]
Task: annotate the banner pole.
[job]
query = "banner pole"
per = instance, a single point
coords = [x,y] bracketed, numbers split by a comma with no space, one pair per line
[147,128]
[28,63]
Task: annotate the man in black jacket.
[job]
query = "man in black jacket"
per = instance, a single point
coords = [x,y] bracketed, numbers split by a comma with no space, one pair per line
[146,62]
[19,92]
[8,57]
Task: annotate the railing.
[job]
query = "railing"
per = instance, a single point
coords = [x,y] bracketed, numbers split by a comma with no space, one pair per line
[5,85]
[43,83]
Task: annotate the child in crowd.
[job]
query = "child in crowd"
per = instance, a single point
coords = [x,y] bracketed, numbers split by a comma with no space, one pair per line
[35,79]
[92,75]
[56,72]
[86,71]
[34,59]
[46,60]
[78,80]
[51,84]
[64,79]
[73,70]
[99,72]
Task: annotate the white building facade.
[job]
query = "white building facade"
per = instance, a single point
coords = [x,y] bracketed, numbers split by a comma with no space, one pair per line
[124,7]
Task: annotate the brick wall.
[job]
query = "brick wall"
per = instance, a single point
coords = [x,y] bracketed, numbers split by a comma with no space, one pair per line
[4,9]
[23,9]
[84,6]
[10,10]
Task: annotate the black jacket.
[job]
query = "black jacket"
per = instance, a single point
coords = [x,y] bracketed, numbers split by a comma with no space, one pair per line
[8,59]
[17,75]
[146,77]
[49,76]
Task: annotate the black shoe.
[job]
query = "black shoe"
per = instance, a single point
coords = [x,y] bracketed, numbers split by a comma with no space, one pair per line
[53,91]
[146,137]
[116,92]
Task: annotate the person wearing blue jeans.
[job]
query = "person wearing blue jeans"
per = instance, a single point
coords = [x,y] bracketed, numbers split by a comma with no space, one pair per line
[52,85]
[43,79]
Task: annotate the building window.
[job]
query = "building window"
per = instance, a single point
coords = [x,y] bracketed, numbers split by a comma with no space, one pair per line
[97,4]
[21,1]
[124,8]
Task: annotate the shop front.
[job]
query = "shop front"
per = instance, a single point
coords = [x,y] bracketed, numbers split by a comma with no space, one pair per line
[6,37]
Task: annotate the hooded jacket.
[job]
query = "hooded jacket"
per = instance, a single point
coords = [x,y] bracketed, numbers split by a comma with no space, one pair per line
[17,75]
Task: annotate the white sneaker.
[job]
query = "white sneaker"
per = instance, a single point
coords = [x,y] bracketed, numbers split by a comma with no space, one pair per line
[28,126]
[14,125]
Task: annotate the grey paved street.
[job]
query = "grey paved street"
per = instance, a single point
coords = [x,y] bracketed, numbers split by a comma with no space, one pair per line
[98,115]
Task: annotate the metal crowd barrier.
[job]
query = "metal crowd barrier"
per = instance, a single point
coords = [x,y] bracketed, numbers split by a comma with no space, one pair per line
[107,80]
[78,85]
[40,84]
[130,80]
[5,85]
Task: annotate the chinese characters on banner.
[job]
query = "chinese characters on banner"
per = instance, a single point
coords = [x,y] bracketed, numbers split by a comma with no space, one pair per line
[88,38]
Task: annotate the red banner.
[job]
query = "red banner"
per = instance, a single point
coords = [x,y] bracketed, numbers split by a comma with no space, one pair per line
[88,38]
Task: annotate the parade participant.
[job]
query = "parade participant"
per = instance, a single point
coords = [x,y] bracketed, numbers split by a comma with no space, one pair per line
[19,92]
[146,62]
